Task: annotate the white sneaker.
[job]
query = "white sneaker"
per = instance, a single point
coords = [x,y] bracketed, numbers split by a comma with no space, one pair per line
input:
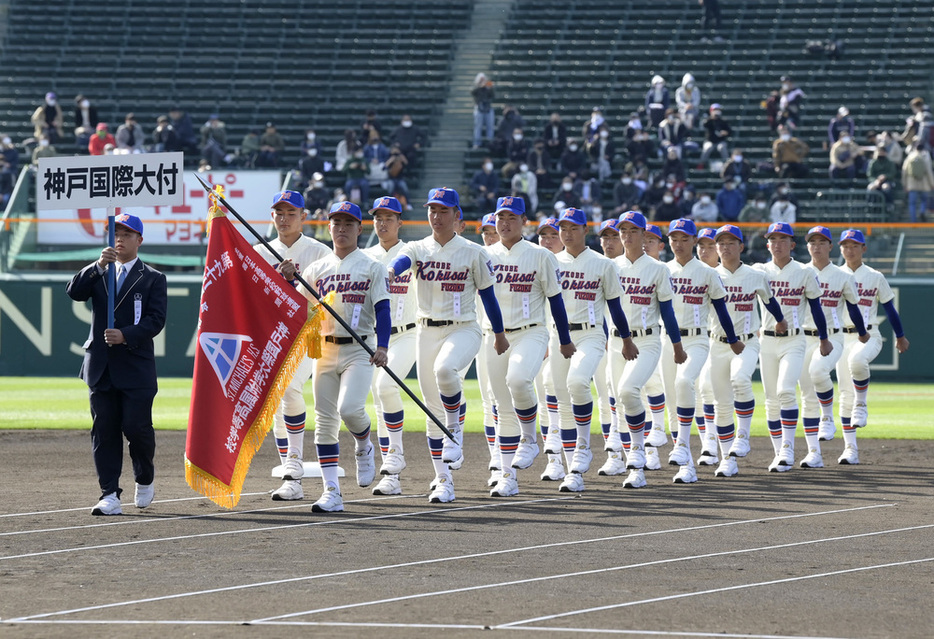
[292,467]
[826,430]
[507,486]
[636,479]
[495,475]
[553,441]
[583,456]
[554,470]
[680,455]
[443,492]
[860,415]
[686,475]
[453,451]
[656,437]
[573,483]
[393,463]
[740,446]
[290,490]
[366,466]
[456,465]
[388,485]
[850,456]
[813,459]
[614,465]
[708,458]
[635,458]
[525,454]
[496,460]
[727,468]
[787,455]
[108,505]
[652,461]
[330,501]
[144,495]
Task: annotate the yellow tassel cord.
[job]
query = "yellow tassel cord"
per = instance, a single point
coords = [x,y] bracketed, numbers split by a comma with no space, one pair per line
[316,315]
[215,209]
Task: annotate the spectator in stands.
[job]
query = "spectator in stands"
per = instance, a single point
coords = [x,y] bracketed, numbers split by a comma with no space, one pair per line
[47,119]
[601,152]
[840,123]
[667,210]
[770,104]
[484,186]
[357,187]
[86,120]
[913,121]
[674,166]
[783,188]
[925,137]
[574,160]
[641,146]
[730,201]
[710,22]
[885,187]
[756,210]
[507,125]
[7,182]
[517,152]
[483,115]
[790,103]
[783,209]
[705,209]
[8,152]
[717,132]
[164,138]
[590,193]
[672,133]
[100,139]
[886,140]
[375,151]
[845,158]
[317,195]
[271,145]
[738,169]
[654,194]
[917,181]
[249,149]
[130,136]
[555,135]
[184,129]
[687,201]
[310,142]
[214,140]
[626,194]
[410,138]
[539,161]
[640,173]
[788,154]
[591,129]
[567,195]
[396,167]
[345,149]
[370,123]
[688,99]
[525,185]
[881,164]
[44,149]
[310,164]
[657,101]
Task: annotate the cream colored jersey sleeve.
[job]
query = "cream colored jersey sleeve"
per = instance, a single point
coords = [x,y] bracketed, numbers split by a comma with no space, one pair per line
[872,289]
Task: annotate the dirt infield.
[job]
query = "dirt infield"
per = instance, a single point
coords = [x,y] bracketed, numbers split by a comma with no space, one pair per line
[836,552]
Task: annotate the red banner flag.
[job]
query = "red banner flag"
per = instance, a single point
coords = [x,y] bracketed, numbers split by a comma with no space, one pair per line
[252,332]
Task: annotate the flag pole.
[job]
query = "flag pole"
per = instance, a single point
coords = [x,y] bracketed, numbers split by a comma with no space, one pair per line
[111,270]
[327,307]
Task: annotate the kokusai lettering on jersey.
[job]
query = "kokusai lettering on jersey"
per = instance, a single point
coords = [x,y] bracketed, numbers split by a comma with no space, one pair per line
[451,281]
[341,283]
[509,274]
[830,298]
[740,301]
[689,292]
[785,294]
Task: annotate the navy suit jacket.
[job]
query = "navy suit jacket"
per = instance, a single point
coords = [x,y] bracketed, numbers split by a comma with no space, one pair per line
[131,365]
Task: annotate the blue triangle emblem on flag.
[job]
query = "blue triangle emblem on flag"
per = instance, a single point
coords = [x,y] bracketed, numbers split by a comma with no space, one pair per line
[222,351]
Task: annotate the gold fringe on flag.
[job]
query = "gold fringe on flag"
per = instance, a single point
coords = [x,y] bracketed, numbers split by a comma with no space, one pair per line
[316,315]
[215,210]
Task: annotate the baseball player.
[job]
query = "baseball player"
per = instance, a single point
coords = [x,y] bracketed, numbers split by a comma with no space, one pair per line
[526,277]
[654,391]
[344,371]
[646,298]
[288,214]
[781,356]
[731,374]
[489,237]
[449,272]
[704,410]
[853,367]
[590,283]
[696,288]
[816,385]
[387,398]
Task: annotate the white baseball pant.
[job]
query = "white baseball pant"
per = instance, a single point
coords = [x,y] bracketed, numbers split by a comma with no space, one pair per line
[631,378]
[781,360]
[816,374]
[511,376]
[680,383]
[441,353]
[731,382]
[387,396]
[293,403]
[572,377]
[854,365]
[342,382]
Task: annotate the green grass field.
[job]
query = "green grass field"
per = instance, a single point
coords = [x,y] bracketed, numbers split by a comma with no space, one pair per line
[898,411]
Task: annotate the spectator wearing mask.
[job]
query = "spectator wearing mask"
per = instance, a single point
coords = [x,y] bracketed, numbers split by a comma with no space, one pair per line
[887,141]
[840,123]
[730,202]
[86,120]
[517,152]
[705,210]
[44,149]
[756,210]
[641,146]
[213,140]
[672,133]
[783,209]
[717,133]
[880,165]
[375,150]
[484,186]
[370,123]
[317,195]
[357,187]
[525,185]
[626,194]
[917,181]
[667,210]
[311,162]
[567,195]
[845,158]
[688,99]
[601,152]
[687,201]
[657,101]
[674,166]
[9,152]
[591,129]
[164,138]
[788,154]
[555,136]
[539,161]
[737,168]
[510,121]
[410,138]
[47,119]
[310,142]
[574,159]
[396,167]
[130,136]
[100,139]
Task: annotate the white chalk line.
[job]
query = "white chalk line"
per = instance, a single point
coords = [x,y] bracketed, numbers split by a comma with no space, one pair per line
[439,560]
[129,503]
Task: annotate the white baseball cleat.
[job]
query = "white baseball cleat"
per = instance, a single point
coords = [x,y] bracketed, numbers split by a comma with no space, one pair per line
[554,470]
[393,463]
[553,442]
[850,456]
[727,468]
[507,486]
[708,458]
[453,451]
[680,455]
[144,495]
[860,415]
[656,437]
[108,505]
[787,454]
[443,490]
[330,501]
[573,483]
[614,465]
[290,490]
[813,459]
[740,446]
[685,475]
[826,429]
[583,456]
[366,466]
[388,485]
[526,453]
[636,458]
[652,461]
[636,479]
[495,475]
[292,467]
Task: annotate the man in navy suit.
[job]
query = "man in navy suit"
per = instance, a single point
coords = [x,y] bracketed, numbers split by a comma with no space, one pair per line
[119,363]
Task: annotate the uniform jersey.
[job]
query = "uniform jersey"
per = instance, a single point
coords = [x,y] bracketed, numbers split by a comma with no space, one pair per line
[837,288]
[742,287]
[526,275]
[693,285]
[645,283]
[448,277]
[303,252]
[358,281]
[872,289]
[402,300]
[791,286]
[587,282]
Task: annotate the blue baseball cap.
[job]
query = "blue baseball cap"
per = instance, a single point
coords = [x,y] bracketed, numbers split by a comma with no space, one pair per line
[390,204]
[575,216]
[780,228]
[444,196]
[347,208]
[550,222]
[612,224]
[819,230]
[289,197]
[512,204]
[654,230]
[683,225]
[633,217]
[488,220]
[130,221]
[731,229]
[854,235]
[706,234]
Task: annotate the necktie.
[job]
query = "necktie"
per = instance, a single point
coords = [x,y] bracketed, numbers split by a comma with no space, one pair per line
[121,275]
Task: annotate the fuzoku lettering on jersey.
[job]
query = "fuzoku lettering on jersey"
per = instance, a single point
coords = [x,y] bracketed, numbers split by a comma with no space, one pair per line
[526,276]
[645,283]
[358,281]
[587,281]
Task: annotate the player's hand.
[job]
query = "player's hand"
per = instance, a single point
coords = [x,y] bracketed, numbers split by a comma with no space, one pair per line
[108,255]
[901,344]
[380,357]
[781,327]
[500,343]
[630,350]
[865,338]
[287,268]
[825,347]
[737,347]
[567,350]
[113,336]
[392,275]
[680,356]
